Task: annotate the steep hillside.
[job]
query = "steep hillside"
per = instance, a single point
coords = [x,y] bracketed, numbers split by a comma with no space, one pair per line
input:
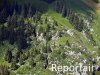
[35,34]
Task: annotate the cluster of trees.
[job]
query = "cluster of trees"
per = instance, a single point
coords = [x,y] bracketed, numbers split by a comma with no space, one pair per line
[8,9]
[16,30]
[19,57]
[33,56]
[75,19]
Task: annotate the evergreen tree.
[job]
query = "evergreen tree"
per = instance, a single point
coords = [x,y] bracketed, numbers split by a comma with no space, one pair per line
[59,5]
[22,12]
[8,55]
[46,20]
[31,62]
[64,11]
[25,10]
[22,60]
[55,23]
[3,34]
[37,16]
[21,38]
[49,48]
[13,64]
[67,43]
[12,24]
[3,15]
[30,12]
[79,25]
[48,28]
[49,1]
[44,50]
[41,30]
[40,57]
[46,62]
[17,56]
[34,30]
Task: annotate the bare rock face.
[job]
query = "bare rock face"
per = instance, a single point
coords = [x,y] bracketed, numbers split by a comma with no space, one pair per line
[94,4]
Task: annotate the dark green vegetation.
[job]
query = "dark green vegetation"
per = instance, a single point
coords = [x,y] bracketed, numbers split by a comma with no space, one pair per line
[35,34]
[97,1]
[4,70]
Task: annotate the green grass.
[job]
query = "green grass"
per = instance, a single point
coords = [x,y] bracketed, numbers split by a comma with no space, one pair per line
[96,27]
[77,39]
[62,21]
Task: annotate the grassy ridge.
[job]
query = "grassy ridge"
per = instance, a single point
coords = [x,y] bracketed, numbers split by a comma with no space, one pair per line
[78,39]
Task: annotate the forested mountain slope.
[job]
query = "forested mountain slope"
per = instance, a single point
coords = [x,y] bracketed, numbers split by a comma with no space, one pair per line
[34,34]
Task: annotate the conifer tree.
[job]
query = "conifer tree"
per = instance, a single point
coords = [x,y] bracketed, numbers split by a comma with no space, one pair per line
[35,30]
[57,6]
[31,62]
[41,30]
[22,12]
[67,43]
[30,12]
[3,34]
[44,50]
[3,15]
[46,20]
[37,16]
[55,23]
[13,64]
[49,48]
[64,11]
[21,59]
[17,56]
[8,55]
